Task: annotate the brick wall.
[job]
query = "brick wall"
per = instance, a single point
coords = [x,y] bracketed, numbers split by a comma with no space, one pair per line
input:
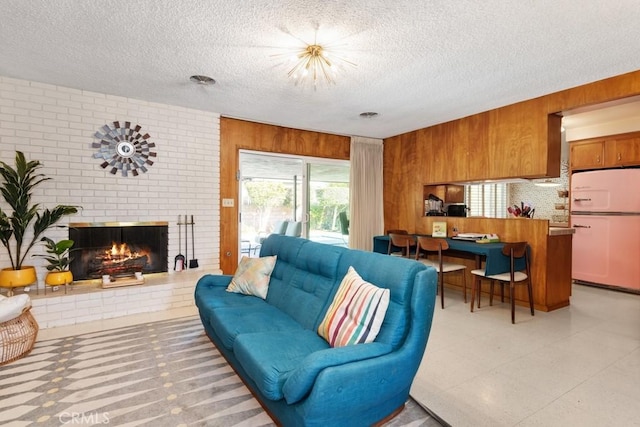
[89,303]
[56,126]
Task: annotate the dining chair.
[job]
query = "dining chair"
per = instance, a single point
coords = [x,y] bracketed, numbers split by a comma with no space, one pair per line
[513,277]
[406,242]
[397,232]
[430,244]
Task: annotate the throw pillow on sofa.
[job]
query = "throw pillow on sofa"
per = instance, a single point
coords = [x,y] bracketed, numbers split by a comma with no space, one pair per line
[252,276]
[356,313]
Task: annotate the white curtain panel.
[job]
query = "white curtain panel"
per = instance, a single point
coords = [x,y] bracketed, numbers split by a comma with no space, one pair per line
[366,215]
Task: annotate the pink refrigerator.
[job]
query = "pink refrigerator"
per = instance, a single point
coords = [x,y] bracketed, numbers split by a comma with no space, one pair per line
[605,213]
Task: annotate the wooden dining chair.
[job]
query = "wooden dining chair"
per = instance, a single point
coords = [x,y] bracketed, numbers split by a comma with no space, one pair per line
[430,244]
[513,277]
[406,242]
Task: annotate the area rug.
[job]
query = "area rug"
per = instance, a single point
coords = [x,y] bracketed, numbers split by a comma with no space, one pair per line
[164,373]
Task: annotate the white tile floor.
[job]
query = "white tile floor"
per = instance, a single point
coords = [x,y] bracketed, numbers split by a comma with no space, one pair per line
[576,366]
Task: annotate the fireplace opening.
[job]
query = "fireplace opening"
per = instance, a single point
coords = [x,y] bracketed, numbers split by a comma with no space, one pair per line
[118,249]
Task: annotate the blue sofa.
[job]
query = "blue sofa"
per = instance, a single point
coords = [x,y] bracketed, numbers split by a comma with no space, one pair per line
[274,346]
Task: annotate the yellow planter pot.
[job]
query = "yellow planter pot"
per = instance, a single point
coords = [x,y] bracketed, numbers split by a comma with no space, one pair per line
[58,278]
[10,278]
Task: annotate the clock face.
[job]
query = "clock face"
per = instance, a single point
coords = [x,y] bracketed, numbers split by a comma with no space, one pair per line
[123,148]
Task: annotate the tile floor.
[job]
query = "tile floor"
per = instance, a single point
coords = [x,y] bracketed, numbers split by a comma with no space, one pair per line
[576,366]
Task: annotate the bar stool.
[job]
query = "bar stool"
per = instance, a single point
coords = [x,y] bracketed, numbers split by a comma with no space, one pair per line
[430,244]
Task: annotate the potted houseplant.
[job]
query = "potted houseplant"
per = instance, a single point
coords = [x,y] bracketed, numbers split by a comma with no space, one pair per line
[21,228]
[58,260]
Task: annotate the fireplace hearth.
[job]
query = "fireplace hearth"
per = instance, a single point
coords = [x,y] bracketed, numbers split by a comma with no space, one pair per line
[118,249]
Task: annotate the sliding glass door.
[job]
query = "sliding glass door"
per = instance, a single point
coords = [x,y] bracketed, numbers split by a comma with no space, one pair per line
[307,194]
[328,202]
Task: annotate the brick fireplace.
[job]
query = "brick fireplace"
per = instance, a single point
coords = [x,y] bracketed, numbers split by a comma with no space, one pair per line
[118,249]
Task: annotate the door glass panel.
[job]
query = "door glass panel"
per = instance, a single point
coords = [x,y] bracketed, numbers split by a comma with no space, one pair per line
[270,193]
[274,188]
[328,197]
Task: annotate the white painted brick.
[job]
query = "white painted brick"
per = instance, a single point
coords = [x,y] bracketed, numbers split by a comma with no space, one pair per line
[66,130]
[78,312]
[46,317]
[89,318]
[63,307]
[61,322]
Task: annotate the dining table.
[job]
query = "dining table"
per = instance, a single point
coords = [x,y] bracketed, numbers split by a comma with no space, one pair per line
[495,262]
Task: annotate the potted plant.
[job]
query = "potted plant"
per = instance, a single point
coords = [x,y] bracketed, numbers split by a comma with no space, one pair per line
[58,259]
[22,228]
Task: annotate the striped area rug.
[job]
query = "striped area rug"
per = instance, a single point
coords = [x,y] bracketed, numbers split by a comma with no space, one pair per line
[164,373]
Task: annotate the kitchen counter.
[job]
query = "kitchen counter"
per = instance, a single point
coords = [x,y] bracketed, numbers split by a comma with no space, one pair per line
[561,231]
[550,253]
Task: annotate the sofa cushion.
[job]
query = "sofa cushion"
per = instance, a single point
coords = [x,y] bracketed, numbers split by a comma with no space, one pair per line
[356,313]
[268,358]
[252,276]
[230,322]
[306,272]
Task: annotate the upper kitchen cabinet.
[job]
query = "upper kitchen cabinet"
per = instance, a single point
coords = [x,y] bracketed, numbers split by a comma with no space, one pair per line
[587,154]
[522,142]
[624,150]
[606,152]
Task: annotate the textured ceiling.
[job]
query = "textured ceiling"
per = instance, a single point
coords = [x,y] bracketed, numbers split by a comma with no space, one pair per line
[418,62]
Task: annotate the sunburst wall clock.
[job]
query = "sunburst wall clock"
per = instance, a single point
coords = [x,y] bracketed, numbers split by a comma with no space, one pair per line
[123,148]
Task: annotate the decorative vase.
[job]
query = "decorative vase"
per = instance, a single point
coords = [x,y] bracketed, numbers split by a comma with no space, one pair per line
[10,278]
[58,278]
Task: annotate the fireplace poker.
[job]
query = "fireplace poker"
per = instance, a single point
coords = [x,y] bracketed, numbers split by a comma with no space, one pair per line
[186,241]
[193,263]
[179,260]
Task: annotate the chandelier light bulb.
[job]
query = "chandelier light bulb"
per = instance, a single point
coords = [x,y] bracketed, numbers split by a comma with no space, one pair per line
[313,63]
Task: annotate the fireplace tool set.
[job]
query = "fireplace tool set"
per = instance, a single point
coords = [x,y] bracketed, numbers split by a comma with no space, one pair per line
[180,262]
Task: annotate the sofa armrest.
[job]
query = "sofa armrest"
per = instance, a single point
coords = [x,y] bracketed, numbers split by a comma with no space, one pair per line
[302,379]
[213,280]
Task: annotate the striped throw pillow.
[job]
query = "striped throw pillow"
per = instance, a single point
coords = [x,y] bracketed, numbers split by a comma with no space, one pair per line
[356,313]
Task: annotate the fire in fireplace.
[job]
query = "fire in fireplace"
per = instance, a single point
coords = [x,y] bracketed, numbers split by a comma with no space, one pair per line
[118,249]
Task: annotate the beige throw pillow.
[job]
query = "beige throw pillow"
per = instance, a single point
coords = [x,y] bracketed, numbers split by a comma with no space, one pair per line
[252,276]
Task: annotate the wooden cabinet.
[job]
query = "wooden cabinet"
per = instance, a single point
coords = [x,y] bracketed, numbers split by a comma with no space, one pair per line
[587,155]
[606,152]
[449,193]
[623,151]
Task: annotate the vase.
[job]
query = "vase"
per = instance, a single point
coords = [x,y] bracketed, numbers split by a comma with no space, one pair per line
[58,278]
[10,278]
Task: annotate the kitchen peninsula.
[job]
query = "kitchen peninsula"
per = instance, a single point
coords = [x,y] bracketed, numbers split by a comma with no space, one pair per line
[550,254]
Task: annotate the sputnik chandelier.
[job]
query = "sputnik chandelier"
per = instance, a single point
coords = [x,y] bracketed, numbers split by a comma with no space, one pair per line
[316,63]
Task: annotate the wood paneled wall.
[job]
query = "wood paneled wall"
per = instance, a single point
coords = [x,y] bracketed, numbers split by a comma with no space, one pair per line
[236,135]
[517,141]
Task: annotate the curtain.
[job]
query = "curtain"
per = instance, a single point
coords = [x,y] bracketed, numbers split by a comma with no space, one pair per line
[366,208]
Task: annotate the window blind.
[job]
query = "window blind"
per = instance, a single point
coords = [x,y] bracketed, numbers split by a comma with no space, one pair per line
[488,200]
